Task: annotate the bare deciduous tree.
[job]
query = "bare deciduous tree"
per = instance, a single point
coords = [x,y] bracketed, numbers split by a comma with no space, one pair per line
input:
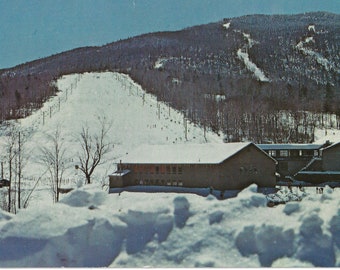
[94,147]
[10,148]
[53,158]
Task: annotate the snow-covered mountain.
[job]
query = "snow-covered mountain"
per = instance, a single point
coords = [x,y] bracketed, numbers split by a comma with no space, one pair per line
[90,227]
[261,64]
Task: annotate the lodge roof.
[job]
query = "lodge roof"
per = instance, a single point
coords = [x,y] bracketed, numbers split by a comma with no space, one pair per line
[288,146]
[209,153]
[331,146]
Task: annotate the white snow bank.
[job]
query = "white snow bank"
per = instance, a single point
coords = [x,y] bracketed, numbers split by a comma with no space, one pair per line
[173,230]
[61,236]
[5,216]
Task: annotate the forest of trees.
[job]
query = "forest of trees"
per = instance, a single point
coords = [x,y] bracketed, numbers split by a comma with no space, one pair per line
[201,75]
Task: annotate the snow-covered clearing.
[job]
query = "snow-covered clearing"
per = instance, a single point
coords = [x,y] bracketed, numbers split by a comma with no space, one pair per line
[227,25]
[321,60]
[91,228]
[258,73]
[243,55]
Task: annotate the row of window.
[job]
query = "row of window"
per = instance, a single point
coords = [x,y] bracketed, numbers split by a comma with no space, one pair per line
[159,182]
[152,169]
[292,153]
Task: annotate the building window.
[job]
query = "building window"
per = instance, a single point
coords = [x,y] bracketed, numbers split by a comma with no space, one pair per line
[180,170]
[168,183]
[283,153]
[168,170]
[174,183]
[180,183]
[272,153]
[294,153]
[174,170]
[157,169]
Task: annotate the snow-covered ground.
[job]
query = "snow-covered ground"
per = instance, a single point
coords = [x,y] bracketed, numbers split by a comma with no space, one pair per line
[243,55]
[321,60]
[136,117]
[90,227]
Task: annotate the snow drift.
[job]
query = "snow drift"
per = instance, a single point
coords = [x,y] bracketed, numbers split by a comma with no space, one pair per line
[91,228]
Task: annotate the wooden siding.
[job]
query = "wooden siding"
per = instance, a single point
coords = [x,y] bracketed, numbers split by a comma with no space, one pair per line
[250,165]
[331,158]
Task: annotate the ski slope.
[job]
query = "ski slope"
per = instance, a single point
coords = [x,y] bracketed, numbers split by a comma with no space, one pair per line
[136,118]
[91,228]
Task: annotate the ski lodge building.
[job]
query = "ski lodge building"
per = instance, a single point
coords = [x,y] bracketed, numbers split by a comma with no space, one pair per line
[292,158]
[228,166]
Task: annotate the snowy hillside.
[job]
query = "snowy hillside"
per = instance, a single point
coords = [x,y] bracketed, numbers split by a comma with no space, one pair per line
[136,118]
[90,227]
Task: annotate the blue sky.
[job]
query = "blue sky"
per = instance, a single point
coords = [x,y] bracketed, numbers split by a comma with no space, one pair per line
[31,29]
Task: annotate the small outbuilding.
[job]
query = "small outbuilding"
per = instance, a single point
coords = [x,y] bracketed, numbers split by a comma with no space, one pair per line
[226,166]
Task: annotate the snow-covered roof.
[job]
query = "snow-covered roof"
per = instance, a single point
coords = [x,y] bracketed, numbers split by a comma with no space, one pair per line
[330,146]
[320,172]
[288,146]
[120,173]
[209,153]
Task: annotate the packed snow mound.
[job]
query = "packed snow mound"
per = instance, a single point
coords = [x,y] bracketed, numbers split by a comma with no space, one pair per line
[90,228]
[84,198]
[60,236]
[5,216]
